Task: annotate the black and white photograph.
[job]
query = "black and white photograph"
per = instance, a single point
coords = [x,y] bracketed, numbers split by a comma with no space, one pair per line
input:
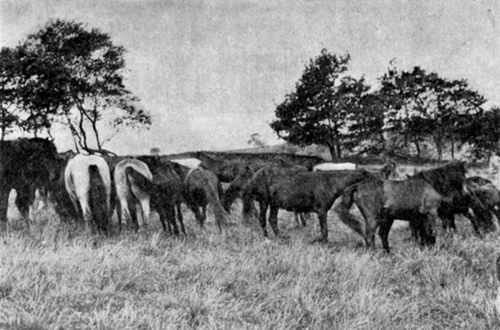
[249,164]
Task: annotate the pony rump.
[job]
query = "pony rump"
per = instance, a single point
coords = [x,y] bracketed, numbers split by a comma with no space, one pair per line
[98,199]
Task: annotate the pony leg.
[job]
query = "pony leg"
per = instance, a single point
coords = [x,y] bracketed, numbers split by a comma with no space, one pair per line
[119,215]
[4,204]
[323,226]
[296,218]
[25,196]
[262,217]
[204,214]
[178,207]
[385,228]
[167,211]
[198,216]
[303,218]
[162,216]
[273,220]
[133,217]
[145,210]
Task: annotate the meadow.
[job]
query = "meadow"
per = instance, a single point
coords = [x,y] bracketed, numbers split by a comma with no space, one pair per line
[56,275]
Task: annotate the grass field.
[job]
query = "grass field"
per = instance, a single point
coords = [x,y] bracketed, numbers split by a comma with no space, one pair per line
[54,275]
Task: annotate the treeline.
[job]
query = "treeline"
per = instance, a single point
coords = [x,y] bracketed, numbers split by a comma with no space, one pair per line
[407,110]
[71,74]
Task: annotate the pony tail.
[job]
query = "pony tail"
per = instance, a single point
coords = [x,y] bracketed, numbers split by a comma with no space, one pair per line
[221,217]
[248,205]
[98,199]
[346,203]
[144,183]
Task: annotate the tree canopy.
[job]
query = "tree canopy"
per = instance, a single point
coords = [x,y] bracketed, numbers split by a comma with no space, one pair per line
[330,108]
[320,109]
[73,74]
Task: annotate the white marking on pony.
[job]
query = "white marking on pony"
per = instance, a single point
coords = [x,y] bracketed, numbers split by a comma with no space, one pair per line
[335,166]
[77,182]
[126,193]
[188,162]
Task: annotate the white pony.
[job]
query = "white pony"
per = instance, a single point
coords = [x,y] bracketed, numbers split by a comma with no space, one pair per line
[128,194]
[88,182]
[335,167]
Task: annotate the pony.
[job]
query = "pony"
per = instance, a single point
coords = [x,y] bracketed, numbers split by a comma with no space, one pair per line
[335,166]
[25,165]
[128,194]
[88,182]
[201,187]
[416,199]
[226,171]
[164,190]
[299,192]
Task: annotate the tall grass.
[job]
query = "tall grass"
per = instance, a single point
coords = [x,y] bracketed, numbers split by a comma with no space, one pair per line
[55,275]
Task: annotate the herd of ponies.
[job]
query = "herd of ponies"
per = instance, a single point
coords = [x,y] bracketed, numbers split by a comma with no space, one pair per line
[91,187]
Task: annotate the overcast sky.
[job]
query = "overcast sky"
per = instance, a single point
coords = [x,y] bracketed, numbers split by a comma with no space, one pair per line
[212,72]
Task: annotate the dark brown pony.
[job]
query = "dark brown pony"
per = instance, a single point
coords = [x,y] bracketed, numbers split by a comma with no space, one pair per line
[226,171]
[25,165]
[416,199]
[201,187]
[235,188]
[298,192]
[165,191]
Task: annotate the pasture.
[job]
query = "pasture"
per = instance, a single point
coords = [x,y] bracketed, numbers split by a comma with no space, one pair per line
[54,275]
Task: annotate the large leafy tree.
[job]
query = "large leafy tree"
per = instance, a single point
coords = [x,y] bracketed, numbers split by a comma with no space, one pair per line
[320,110]
[421,105]
[482,131]
[75,74]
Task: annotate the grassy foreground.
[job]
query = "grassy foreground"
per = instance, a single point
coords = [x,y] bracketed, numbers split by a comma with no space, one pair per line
[56,276]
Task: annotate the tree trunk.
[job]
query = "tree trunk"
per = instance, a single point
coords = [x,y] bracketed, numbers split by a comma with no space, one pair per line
[417,146]
[452,142]
[439,146]
[332,150]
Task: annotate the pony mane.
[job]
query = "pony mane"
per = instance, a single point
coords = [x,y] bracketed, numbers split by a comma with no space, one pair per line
[445,179]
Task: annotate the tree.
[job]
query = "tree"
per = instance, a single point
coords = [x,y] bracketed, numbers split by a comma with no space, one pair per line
[366,130]
[423,105]
[320,109]
[481,130]
[76,74]
[9,73]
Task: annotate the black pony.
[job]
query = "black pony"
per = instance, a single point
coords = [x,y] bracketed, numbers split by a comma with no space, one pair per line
[25,165]
[165,191]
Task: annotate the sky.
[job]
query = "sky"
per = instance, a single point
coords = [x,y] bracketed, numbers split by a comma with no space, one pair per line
[211,73]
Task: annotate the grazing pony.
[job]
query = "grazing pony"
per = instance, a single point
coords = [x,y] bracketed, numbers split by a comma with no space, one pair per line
[88,183]
[128,194]
[416,199]
[298,192]
[164,190]
[25,165]
[201,187]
